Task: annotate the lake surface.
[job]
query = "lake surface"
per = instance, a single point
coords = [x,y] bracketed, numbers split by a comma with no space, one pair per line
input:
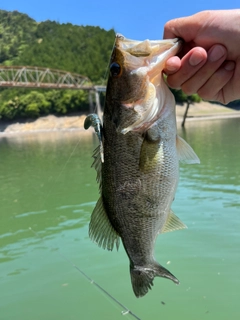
[47,193]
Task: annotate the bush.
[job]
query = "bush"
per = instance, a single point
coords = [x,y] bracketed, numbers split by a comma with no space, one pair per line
[35,103]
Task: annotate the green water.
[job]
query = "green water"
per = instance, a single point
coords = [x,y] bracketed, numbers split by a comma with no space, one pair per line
[46,184]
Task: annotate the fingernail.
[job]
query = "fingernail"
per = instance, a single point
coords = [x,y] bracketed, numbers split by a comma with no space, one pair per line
[195,59]
[170,68]
[216,53]
[229,66]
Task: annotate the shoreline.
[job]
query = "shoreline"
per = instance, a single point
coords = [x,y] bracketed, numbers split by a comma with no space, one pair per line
[197,112]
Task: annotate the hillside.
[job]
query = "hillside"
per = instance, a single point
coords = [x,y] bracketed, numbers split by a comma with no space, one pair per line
[80,49]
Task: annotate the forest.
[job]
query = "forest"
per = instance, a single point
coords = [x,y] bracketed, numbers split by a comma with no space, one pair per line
[80,49]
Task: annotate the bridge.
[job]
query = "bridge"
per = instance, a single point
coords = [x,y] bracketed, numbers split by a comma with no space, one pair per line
[37,77]
[46,78]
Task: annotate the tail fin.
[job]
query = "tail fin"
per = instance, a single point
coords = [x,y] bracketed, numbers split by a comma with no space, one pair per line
[142,278]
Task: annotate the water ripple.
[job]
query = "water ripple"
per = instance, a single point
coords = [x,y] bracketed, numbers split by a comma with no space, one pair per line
[26,214]
[71,206]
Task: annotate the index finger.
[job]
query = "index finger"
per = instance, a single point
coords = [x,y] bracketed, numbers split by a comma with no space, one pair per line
[170,30]
[185,28]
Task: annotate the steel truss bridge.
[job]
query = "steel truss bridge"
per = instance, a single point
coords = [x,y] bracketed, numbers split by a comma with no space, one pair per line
[46,78]
[37,77]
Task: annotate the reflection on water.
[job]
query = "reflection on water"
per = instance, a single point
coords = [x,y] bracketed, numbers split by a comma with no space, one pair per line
[47,184]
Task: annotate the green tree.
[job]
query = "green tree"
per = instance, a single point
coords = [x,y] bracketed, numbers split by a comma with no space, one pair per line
[79,49]
[182,97]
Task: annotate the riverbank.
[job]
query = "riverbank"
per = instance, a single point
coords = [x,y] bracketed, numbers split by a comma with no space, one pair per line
[196,112]
[206,111]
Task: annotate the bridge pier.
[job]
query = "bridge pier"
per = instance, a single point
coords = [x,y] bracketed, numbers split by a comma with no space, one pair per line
[91,106]
[46,78]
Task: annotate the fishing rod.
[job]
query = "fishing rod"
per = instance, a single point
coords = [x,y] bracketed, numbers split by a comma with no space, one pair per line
[125,311]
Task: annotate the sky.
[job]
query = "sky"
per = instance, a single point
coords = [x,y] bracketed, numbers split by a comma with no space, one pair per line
[137,20]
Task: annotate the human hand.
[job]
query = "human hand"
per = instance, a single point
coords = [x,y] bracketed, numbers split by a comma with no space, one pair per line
[210,63]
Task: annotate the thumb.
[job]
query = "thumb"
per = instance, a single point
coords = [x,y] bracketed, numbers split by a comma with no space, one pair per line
[185,28]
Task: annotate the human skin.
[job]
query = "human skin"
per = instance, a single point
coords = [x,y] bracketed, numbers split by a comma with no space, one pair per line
[209,63]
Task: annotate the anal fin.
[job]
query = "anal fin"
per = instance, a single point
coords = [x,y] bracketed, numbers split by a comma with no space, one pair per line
[100,229]
[173,223]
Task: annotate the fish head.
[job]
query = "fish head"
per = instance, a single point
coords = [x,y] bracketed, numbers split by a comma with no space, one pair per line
[123,82]
[135,80]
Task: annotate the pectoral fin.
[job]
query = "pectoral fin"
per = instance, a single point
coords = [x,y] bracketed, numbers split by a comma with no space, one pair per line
[100,228]
[173,223]
[150,155]
[185,152]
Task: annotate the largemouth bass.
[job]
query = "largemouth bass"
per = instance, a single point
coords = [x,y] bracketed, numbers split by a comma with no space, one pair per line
[137,161]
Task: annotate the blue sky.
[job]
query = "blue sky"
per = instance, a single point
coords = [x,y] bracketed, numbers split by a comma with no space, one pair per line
[134,19]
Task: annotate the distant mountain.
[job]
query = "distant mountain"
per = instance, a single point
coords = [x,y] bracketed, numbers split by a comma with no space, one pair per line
[81,49]
[16,32]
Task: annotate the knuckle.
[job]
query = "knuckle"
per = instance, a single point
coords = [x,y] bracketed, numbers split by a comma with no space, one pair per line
[167,25]
[205,94]
[188,89]
[172,82]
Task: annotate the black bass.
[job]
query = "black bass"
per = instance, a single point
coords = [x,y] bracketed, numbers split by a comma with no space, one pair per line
[137,161]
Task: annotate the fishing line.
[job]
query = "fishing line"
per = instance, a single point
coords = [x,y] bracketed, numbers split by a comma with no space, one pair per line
[126,311]
[108,65]
[61,171]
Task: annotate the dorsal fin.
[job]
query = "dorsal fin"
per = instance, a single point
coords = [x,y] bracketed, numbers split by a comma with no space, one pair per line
[185,152]
[173,223]
[100,229]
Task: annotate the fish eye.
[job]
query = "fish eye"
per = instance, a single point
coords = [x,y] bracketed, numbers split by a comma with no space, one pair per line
[115,69]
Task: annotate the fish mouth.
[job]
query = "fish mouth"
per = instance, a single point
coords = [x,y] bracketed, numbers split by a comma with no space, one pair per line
[146,60]
[147,57]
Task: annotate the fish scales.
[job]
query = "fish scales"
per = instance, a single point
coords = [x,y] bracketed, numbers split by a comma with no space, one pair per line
[138,159]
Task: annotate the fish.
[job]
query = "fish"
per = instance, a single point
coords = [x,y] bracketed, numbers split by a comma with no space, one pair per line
[137,161]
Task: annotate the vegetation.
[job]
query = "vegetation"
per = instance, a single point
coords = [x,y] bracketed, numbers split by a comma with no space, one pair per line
[79,49]
[181,97]
[35,103]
